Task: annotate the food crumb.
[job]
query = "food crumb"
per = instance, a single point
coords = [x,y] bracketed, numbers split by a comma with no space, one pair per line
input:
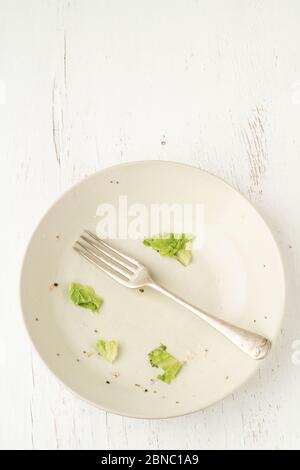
[57,236]
[116,374]
[89,354]
[95,331]
[57,354]
[77,360]
[36,319]
[227,377]
[84,352]
[51,287]
[177,402]
[141,290]
[137,385]
[189,357]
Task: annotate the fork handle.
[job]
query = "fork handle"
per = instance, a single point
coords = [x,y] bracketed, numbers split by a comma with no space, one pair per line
[256,346]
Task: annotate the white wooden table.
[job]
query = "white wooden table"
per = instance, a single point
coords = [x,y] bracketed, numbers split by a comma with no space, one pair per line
[88,84]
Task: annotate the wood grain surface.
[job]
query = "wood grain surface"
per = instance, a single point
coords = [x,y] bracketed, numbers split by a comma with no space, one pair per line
[88,84]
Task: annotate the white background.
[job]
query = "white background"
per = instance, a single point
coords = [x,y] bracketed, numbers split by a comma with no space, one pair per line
[85,84]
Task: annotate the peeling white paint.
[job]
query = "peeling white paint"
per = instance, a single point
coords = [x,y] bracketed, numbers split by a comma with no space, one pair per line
[95,83]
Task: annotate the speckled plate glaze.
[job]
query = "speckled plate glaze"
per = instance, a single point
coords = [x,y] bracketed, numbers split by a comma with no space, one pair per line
[237,275]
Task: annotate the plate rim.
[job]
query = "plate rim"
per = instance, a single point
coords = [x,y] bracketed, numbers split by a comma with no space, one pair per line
[93,175]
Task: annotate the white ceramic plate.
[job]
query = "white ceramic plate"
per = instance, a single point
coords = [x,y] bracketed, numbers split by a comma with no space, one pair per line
[237,275]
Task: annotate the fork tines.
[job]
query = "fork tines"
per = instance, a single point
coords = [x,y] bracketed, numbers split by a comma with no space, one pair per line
[110,260]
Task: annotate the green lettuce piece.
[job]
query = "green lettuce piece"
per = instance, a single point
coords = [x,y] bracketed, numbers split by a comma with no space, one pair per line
[172,245]
[84,296]
[161,358]
[184,257]
[107,349]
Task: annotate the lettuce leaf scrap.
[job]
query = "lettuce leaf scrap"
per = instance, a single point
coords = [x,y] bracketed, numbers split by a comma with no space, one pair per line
[161,358]
[107,349]
[172,245]
[84,296]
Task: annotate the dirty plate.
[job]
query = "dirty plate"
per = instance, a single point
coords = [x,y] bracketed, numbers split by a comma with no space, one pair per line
[237,275]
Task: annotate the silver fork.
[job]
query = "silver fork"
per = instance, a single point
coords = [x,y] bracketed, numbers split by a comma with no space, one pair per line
[131,273]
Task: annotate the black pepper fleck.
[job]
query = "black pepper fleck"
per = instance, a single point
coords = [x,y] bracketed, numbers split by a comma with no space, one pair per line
[141,290]
[108,382]
[57,354]
[146,390]
[55,284]
[36,319]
